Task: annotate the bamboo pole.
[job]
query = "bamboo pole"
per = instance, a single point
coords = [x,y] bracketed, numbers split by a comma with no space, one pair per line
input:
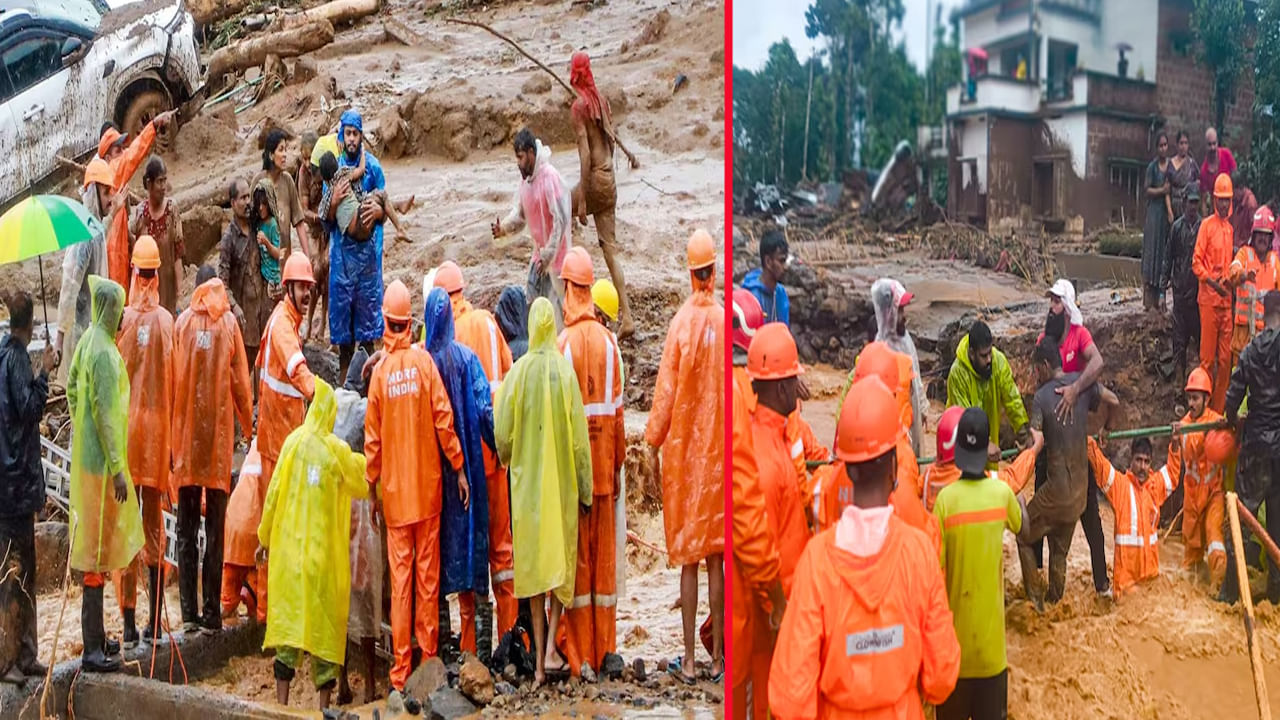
[1242,573]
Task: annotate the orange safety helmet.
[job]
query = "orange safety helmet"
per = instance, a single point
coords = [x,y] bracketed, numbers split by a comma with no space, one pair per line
[869,424]
[98,171]
[1219,447]
[876,359]
[146,254]
[1264,221]
[701,250]
[748,316]
[449,277]
[298,269]
[577,267]
[395,302]
[772,355]
[1199,381]
[1222,187]
[948,431]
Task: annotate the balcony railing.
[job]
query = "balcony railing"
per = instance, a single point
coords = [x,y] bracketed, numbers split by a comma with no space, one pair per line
[1090,9]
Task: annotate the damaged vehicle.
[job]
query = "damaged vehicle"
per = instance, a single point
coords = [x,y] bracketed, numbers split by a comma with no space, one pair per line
[68,66]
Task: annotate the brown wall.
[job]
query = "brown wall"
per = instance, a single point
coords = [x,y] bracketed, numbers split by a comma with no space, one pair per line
[1110,139]
[1009,168]
[1184,91]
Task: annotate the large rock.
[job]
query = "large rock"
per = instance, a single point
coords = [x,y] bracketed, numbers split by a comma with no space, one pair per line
[475,681]
[449,704]
[430,676]
[52,545]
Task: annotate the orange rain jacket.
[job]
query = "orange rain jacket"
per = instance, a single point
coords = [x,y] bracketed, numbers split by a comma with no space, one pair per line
[1202,504]
[590,348]
[833,492]
[287,382]
[939,475]
[123,169]
[784,503]
[146,344]
[210,367]
[755,565]
[865,637]
[409,421]
[687,422]
[1249,293]
[244,512]
[1137,512]
[801,442]
[477,329]
[1212,258]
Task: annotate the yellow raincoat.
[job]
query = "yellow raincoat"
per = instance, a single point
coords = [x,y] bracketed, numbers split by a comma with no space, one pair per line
[306,524]
[106,535]
[541,431]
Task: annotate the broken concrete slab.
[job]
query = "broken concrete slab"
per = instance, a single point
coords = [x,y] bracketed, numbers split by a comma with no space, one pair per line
[449,704]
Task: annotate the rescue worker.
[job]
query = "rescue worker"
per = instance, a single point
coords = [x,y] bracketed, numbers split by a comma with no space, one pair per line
[211,392]
[591,619]
[408,430]
[890,300]
[1258,474]
[1136,497]
[306,524]
[1211,265]
[1189,465]
[478,330]
[1182,280]
[758,599]
[1254,273]
[355,266]
[512,315]
[981,377]
[464,522]
[541,431]
[124,162]
[687,423]
[241,580]
[146,345]
[285,381]
[974,512]
[544,204]
[944,470]
[99,196]
[773,365]
[605,298]
[869,605]
[106,527]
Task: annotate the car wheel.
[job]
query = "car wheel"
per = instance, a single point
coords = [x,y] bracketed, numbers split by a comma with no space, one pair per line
[142,109]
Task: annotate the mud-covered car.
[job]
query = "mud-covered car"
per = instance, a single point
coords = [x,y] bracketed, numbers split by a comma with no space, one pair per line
[68,66]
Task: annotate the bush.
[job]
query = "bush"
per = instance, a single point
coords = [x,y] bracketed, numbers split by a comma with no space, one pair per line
[1121,244]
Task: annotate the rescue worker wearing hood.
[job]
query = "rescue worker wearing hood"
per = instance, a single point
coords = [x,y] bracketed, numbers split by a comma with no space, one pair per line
[477,329]
[687,424]
[981,377]
[464,523]
[355,266]
[1211,264]
[306,525]
[105,524]
[99,196]
[409,433]
[512,315]
[211,391]
[591,619]
[890,300]
[542,437]
[146,345]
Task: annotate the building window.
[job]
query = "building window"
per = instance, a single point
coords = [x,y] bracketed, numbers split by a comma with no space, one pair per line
[1126,177]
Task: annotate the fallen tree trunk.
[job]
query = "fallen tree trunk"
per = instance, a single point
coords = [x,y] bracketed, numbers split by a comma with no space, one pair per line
[254,51]
[338,12]
[211,11]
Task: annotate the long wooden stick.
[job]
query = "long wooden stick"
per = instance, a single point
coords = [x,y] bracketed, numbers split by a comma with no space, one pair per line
[1246,596]
[631,158]
[1256,528]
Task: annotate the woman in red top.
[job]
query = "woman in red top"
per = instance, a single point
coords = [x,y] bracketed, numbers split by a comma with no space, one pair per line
[158,217]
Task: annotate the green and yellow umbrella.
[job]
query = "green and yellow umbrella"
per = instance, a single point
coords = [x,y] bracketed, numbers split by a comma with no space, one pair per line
[43,224]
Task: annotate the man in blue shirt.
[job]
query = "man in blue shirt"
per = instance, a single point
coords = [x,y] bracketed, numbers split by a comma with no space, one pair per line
[766,281]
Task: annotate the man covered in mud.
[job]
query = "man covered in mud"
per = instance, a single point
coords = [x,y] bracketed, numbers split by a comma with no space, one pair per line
[542,203]
[1258,475]
[239,271]
[596,193]
[1062,497]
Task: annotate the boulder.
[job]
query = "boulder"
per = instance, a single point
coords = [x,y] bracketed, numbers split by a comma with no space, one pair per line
[430,676]
[53,541]
[449,704]
[475,681]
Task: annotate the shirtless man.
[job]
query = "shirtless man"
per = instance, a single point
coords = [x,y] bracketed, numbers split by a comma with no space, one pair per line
[596,194]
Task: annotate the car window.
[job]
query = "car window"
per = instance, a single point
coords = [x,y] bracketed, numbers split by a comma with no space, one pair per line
[31,60]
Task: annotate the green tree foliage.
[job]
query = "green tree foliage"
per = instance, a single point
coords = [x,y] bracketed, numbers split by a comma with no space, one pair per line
[1262,170]
[1217,25]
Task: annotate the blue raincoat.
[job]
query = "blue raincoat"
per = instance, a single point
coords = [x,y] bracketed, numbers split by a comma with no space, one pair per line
[464,533]
[355,267]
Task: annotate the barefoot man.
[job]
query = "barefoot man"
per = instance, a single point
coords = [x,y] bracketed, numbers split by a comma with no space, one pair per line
[596,192]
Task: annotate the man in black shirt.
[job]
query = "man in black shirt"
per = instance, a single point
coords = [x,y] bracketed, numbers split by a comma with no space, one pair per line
[1177,275]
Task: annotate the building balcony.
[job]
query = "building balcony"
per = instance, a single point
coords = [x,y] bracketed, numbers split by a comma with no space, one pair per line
[1085,9]
[994,92]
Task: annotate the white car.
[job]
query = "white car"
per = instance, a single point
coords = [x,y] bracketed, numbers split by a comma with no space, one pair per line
[68,66]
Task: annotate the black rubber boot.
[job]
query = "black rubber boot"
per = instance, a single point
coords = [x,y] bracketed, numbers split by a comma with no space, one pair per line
[448,649]
[129,636]
[1230,592]
[93,659]
[484,630]
[110,647]
[155,606]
